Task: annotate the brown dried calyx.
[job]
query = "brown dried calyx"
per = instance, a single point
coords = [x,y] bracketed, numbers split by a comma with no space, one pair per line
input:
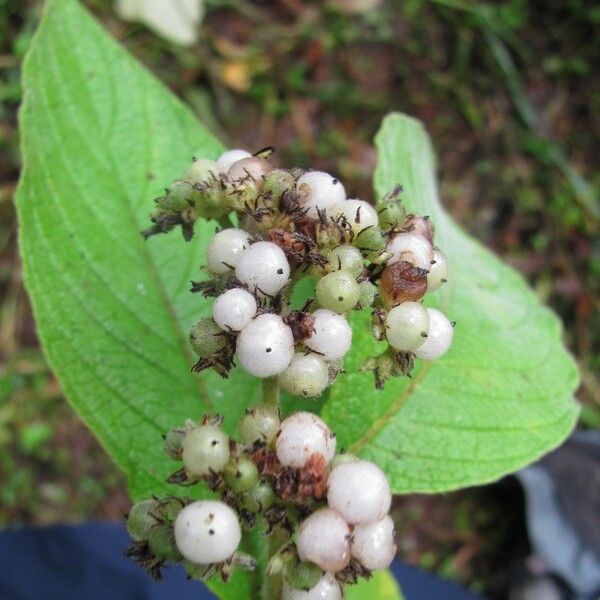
[299,248]
[301,322]
[402,282]
[309,481]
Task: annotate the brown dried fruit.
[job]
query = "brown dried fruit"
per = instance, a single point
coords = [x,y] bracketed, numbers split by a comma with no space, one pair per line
[402,282]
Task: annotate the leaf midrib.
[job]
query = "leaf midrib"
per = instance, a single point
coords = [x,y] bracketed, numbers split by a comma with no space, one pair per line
[390,413]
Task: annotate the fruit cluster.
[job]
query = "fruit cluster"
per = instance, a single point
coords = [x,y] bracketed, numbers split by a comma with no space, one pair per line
[333,507]
[292,224]
[277,227]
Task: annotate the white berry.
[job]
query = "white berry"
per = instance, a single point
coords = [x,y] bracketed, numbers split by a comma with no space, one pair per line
[359,491]
[225,248]
[227,159]
[327,588]
[439,336]
[332,335]
[406,326]
[411,247]
[307,375]
[320,191]
[253,168]
[263,267]
[438,271]
[373,544]
[302,435]
[358,213]
[207,532]
[324,539]
[234,309]
[265,347]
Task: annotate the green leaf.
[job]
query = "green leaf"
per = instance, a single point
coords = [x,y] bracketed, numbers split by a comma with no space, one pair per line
[498,400]
[100,136]
[382,586]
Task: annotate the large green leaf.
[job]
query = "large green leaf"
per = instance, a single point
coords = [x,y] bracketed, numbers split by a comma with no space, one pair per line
[498,400]
[100,136]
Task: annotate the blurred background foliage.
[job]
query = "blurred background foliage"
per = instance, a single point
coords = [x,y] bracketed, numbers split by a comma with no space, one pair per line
[510,95]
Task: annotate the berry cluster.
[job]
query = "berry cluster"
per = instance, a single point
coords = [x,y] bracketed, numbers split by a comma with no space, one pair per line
[275,228]
[333,507]
[292,224]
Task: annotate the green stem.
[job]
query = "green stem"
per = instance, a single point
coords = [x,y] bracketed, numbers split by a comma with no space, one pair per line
[271,587]
[271,392]
[272,584]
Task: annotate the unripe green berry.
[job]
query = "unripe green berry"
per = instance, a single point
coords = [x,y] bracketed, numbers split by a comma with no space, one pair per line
[178,196]
[307,375]
[241,475]
[302,575]
[205,449]
[169,508]
[367,292]
[371,240]
[278,182]
[162,543]
[212,199]
[259,423]
[206,338]
[391,214]
[260,497]
[174,443]
[338,291]
[202,169]
[141,519]
[346,258]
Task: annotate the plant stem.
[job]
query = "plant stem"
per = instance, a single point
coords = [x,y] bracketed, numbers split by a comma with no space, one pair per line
[271,392]
[272,584]
[271,587]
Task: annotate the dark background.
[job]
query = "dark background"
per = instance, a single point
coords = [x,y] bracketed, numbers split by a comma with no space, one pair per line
[510,96]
